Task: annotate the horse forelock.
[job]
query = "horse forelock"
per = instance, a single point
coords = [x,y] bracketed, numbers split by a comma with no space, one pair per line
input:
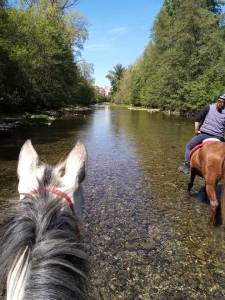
[49,178]
[47,175]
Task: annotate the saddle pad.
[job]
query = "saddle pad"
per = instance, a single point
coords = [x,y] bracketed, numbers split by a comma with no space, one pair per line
[203,143]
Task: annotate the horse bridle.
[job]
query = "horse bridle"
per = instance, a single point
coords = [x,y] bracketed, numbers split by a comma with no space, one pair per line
[56,192]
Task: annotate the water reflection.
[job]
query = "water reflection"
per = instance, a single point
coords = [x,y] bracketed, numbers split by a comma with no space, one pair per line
[146,237]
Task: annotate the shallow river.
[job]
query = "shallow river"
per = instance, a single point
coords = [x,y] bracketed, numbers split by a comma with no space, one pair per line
[146,238]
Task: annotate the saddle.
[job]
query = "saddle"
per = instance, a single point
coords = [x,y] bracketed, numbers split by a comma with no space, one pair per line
[202,144]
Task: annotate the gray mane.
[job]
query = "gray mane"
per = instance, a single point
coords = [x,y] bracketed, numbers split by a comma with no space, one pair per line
[57,262]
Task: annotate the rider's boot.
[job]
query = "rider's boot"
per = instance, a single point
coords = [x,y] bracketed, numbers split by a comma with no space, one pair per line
[185,168]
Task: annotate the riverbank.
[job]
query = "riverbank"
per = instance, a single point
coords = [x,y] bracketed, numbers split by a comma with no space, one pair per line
[153,110]
[150,110]
[145,109]
[45,117]
[146,238]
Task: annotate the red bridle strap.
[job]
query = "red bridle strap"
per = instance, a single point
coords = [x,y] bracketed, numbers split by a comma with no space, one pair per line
[56,192]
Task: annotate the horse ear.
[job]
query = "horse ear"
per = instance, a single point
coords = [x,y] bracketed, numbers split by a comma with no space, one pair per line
[28,158]
[28,162]
[75,164]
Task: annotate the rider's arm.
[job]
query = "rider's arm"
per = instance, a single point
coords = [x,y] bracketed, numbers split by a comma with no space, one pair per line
[197,126]
[200,117]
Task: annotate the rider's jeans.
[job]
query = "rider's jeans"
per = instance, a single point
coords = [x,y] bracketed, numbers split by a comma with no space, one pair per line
[197,139]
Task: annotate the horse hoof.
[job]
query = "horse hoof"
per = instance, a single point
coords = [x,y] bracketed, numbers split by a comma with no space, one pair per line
[189,193]
[211,223]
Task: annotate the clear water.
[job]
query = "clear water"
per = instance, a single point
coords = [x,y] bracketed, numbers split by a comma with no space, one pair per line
[147,239]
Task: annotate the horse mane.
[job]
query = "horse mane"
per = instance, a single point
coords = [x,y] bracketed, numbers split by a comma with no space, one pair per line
[40,231]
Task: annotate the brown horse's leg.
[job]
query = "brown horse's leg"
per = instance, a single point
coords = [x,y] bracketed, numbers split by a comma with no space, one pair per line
[191,182]
[210,189]
[205,193]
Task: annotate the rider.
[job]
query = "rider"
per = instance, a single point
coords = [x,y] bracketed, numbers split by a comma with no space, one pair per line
[209,122]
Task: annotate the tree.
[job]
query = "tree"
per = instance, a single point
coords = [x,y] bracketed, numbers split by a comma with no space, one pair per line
[37,62]
[215,6]
[60,4]
[86,70]
[193,46]
[183,66]
[115,76]
[123,94]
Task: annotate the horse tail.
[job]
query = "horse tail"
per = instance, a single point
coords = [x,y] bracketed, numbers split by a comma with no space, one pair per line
[223,195]
[18,275]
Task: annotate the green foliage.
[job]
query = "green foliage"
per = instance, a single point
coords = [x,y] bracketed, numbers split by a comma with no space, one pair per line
[114,77]
[37,45]
[215,5]
[85,92]
[182,67]
[99,97]
[86,70]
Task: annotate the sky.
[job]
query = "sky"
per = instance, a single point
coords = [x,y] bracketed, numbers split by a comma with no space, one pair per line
[118,31]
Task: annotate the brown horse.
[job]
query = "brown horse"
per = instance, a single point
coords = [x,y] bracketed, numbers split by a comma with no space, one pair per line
[208,162]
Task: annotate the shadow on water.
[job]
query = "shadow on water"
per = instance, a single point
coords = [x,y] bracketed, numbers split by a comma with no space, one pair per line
[40,134]
[146,237]
[52,143]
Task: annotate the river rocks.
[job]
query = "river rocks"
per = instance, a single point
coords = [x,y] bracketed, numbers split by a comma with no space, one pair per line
[145,109]
[10,123]
[40,119]
[46,117]
[74,110]
[7,124]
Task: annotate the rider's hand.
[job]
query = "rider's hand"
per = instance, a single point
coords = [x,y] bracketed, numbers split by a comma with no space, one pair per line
[197,132]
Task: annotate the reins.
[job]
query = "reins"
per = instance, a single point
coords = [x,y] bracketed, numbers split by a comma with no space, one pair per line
[53,191]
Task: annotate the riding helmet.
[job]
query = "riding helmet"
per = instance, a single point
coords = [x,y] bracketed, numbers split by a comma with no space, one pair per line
[221,97]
